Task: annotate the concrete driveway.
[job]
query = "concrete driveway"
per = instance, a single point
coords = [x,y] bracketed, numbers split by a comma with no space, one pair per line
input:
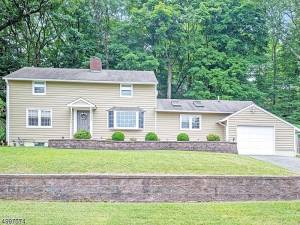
[290,163]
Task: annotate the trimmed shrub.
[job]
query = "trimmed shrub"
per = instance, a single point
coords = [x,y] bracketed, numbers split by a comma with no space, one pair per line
[82,134]
[213,137]
[183,137]
[118,136]
[151,136]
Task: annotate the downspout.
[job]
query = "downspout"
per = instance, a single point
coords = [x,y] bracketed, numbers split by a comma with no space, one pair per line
[71,122]
[227,130]
[91,121]
[7,112]
[295,141]
[155,112]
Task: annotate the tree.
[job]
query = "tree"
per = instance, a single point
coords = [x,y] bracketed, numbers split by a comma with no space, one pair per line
[14,12]
[235,49]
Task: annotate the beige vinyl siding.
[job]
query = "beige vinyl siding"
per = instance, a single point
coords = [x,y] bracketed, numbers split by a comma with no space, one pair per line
[284,133]
[59,94]
[168,126]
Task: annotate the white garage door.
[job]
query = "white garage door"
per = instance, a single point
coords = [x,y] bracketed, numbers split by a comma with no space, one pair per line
[254,140]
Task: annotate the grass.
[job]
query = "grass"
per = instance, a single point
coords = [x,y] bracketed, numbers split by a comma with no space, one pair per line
[45,160]
[82,213]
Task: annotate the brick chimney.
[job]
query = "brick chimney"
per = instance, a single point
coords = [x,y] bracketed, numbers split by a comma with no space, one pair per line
[95,64]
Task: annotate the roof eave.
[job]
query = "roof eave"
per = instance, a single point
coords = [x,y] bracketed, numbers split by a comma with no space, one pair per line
[192,111]
[79,81]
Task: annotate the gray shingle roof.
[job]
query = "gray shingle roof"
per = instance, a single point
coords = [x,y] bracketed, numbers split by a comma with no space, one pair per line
[84,75]
[183,105]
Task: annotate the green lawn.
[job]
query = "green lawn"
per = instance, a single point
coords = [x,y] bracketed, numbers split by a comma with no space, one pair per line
[45,160]
[83,213]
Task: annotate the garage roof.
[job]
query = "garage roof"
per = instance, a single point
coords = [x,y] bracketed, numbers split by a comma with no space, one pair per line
[271,114]
[212,106]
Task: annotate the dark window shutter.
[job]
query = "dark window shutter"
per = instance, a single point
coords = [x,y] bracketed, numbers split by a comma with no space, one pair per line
[141,119]
[110,119]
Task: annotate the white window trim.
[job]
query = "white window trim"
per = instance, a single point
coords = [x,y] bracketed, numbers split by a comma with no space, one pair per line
[190,122]
[39,118]
[33,83]
[125,128]
[126,96]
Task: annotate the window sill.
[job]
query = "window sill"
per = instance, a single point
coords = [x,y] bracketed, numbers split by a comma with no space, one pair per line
[38,127]
[38,94]
[190,129]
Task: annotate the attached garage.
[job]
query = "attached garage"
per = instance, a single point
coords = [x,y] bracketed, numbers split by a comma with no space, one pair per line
[259,132]
[256,140]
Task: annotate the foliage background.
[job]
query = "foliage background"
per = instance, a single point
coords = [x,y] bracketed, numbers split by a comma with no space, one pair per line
[201,49]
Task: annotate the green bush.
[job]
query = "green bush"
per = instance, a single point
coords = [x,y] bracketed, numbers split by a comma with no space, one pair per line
[151,136]
[213,137]
[82,134]
[118,136]
[183,137]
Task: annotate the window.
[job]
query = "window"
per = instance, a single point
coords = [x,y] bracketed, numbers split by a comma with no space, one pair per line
[185,122]
[126,119]
[45,118]
[111,119]
[190,122]
[141,119]
[195,122]
[39,118]
[33,118]
[39,88]
[126,90]
[39,144]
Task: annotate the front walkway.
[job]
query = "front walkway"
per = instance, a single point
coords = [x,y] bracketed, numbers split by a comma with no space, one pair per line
[290,163]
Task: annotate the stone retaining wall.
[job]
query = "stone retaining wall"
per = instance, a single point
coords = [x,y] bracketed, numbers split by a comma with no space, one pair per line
[226,147]
[141,188]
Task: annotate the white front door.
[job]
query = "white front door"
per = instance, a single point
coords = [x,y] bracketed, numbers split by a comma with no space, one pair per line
[255,140]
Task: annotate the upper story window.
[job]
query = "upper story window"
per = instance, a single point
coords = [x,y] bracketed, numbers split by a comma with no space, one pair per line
[39,87]
[39,118]
[126,90]
[190,122]
[126,119]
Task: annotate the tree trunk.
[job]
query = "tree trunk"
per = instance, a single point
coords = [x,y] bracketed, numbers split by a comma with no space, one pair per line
[275,71]
[106,37]
[169,90]
[106,50]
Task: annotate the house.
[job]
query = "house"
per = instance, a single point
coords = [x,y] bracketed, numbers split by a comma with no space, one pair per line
[48,103]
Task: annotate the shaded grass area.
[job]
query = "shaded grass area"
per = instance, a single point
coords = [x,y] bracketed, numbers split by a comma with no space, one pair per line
[82,213]
[46,160]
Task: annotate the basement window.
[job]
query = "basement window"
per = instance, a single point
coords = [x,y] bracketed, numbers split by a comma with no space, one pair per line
[39,144]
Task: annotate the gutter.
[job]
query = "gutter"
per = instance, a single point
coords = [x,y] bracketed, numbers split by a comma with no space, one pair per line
[191,111]
[77,81]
